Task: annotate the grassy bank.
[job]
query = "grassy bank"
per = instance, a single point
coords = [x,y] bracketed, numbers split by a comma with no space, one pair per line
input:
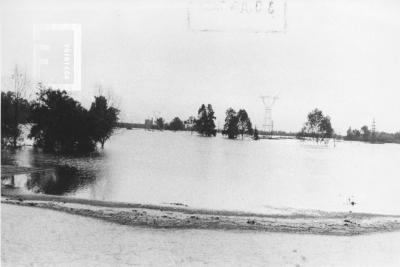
[178,217]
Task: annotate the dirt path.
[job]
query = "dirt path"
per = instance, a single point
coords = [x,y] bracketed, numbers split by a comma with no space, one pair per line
[41,237]
[185,218]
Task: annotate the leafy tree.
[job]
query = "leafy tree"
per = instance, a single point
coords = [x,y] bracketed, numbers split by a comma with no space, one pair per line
[317,126]
[255,135]
[61,124]
[365,132]
[349,133]
[14,112]
[244,123]
[325,128]
[160,123]
[15,108]
[176,124]
[249,127]
[237,123]
[205,124]
[201,122]
[352,134]
[313,123]
[210,121]
[103,119]
[231,128]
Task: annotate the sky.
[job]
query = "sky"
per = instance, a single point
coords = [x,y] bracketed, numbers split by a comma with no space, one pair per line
[339,56]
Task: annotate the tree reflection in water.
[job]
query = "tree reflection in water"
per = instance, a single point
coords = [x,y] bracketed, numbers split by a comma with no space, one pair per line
[8,181]
[62,180]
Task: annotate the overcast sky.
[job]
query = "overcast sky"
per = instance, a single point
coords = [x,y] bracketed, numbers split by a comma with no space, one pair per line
[340,56]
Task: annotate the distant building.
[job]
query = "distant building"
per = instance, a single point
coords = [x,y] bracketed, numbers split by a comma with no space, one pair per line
[148,124]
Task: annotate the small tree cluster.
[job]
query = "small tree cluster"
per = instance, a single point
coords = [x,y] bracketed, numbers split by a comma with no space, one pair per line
[317,126]
[160,123]
[61,124]
[14,113]
[237,123]
[255,134]
[363,135]
[353,134]
[176,125]
[103,119]
[205,124]
[366,135]
[14,108]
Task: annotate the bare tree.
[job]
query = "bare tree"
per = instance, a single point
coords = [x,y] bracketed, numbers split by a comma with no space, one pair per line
[17,114]
[109,94]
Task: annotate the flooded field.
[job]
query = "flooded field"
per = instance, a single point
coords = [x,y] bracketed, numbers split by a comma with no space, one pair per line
[216,173]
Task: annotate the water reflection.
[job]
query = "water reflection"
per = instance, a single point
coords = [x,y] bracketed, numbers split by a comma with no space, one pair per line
[63,180]
[53,174]
[165,167]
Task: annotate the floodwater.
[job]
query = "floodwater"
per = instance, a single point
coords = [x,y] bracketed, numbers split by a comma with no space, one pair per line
[167,167]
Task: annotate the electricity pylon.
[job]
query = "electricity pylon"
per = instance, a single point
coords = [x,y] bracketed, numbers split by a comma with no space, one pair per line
[373,126]
[373,130]
[268,101]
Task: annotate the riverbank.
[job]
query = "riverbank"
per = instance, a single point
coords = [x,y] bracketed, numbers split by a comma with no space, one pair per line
[42,237]
[177,216]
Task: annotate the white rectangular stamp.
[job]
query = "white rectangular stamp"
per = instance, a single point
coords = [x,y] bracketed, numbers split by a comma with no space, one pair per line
[256,16]
[57,55]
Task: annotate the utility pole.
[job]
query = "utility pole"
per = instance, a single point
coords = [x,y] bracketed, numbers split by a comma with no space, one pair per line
[373,130]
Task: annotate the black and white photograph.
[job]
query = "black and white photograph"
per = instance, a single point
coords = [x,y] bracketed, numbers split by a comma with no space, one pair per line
[200,133]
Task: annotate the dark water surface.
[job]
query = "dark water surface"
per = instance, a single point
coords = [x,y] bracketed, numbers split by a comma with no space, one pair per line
[167,167]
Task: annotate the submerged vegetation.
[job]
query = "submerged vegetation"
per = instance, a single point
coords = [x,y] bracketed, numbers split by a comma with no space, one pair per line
[317,126]
[14,113]
[176,125]
[102,119]
[367,135]
[205,124]
[14,108]
[59,122]
[255,134]
[237,123]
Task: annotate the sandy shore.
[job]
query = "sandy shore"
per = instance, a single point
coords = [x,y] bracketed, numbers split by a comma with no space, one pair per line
[180,217]
[42,237]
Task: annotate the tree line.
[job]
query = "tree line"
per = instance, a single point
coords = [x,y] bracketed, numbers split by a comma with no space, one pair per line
[236,123]
[175,125]
[317,127]
[367,135]
[59,122]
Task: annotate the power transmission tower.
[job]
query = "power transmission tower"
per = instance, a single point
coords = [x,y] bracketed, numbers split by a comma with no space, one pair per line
[268,101]
[373,126]
[373,130]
